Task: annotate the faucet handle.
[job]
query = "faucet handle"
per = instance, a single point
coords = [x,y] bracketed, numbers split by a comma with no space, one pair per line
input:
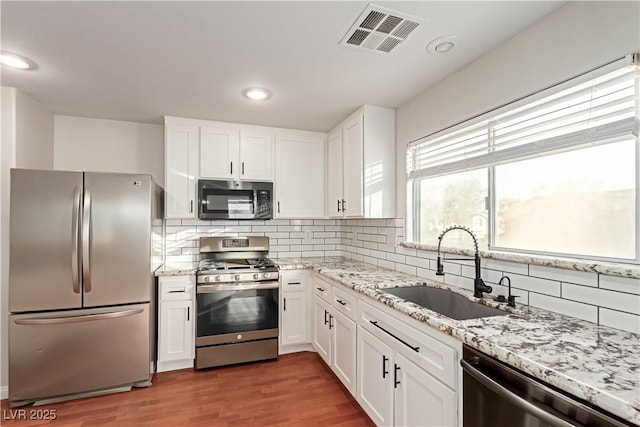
[512,300]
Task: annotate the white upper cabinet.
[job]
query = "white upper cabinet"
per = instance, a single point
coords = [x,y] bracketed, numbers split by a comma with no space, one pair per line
[200,149]
[236,153]
[181,169]
[219,148]
[299,183]
[361,165]
[256,155]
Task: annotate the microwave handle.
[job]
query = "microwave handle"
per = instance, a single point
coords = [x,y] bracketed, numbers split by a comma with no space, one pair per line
[231,168]
[191,206]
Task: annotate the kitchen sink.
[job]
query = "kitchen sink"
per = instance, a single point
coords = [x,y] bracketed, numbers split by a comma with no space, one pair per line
[445,302]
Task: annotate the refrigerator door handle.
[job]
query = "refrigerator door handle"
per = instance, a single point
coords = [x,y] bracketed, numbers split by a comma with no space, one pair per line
[75,233]
[75,319]
[86,241]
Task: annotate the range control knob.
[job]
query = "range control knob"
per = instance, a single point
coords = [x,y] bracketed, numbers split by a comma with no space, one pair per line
[217,278]
[237,277]
[206,279]
[266,275]
[255,276]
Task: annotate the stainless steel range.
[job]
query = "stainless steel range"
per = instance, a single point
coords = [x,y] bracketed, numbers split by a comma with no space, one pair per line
[236,302]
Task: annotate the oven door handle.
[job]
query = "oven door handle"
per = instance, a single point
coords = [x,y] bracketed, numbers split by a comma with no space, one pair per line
[513,398]
[207,289]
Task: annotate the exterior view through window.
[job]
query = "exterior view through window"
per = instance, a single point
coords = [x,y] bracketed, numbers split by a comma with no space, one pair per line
[556,173]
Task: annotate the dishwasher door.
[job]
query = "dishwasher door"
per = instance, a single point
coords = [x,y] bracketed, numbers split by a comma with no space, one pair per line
[58,353]
[497,395]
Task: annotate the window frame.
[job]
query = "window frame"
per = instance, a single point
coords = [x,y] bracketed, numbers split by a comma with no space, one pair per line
[413,182]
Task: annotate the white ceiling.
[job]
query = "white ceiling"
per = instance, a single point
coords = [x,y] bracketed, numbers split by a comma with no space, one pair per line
[138,61]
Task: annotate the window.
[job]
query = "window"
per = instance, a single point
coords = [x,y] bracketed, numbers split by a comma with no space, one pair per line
[555,173]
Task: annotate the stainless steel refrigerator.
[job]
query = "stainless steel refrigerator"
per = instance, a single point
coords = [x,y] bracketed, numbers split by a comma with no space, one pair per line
[83,248]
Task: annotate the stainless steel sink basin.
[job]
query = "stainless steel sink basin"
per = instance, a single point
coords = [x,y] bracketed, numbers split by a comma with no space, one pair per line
[445,302]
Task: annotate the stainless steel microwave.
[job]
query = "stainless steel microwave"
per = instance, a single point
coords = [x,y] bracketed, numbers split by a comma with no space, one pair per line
[235,199]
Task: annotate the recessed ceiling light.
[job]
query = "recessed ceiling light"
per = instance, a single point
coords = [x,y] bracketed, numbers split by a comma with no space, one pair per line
[15,61]
[257,93]
[441,45]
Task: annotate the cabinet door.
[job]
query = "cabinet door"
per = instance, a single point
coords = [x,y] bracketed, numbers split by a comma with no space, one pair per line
[293,329]
[176,331]
[344,350]
[321,332]
[334,173]
[219,153]
[375,378]
[256,156]
[420,399]
[353,166]
[299,176]
[181,169]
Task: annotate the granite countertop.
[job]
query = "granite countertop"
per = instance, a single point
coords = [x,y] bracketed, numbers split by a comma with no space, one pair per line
[596,363]
[177,270]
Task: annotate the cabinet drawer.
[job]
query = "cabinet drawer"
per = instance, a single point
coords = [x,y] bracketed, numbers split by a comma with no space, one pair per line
[322,288]
[344,302]
[174,288]
[292,281]
[430,354]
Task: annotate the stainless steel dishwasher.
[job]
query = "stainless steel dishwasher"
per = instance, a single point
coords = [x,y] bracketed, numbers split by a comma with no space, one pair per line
[498,395]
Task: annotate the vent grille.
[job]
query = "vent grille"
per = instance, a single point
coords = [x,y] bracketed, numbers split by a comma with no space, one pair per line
[381,30]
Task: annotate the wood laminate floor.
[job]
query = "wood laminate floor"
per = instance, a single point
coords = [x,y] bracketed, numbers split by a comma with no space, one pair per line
[296,390]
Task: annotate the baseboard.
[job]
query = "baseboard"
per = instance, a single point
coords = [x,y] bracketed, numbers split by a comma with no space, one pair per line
[4,392]
[173,365]
[295,348]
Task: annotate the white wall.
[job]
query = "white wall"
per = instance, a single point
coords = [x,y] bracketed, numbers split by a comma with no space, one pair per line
[7,161]
[27,142]
[34,134]
[575,38]
[108,146]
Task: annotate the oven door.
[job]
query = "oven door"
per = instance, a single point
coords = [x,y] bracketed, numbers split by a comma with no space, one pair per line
[236,312]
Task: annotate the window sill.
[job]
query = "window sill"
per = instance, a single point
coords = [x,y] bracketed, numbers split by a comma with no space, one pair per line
[606,268]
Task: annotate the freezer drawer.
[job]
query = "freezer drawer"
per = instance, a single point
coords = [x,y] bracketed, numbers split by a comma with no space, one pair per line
[58,353]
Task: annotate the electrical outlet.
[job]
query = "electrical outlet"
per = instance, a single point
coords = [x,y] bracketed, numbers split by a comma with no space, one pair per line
[308,234]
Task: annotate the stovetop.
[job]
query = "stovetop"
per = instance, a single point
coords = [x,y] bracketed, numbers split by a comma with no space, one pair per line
[216,266]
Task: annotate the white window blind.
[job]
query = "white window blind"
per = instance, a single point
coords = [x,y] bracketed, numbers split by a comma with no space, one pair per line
[583,112]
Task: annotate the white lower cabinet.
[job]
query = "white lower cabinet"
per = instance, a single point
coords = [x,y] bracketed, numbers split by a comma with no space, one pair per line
[343,346]
[294,311]
[375,388]
[176,334]
[334,332]
[420,399]
[406,378]
[321,329]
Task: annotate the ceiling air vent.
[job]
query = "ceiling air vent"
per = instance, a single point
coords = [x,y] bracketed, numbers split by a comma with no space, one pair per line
[379,29]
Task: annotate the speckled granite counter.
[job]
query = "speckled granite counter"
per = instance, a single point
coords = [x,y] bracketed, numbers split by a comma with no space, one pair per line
[596,363]
[176,270]
[611,269]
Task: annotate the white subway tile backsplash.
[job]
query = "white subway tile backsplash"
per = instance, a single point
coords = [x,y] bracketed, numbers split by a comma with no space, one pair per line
[324,222]
[301,222]
[406,251]
[506,267]
[612,301]
[408,269]
[534,284]
[264,228]
[602,297]
[396,258]
[570,308]
[386,264]
[620,284]
[569,276]
[619,320]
